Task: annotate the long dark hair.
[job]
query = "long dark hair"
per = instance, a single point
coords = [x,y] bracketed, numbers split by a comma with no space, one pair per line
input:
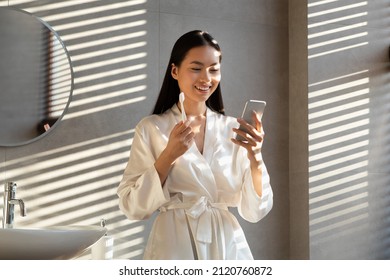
[169,93]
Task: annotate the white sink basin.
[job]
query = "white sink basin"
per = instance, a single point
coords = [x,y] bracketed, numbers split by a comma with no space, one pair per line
[53,243]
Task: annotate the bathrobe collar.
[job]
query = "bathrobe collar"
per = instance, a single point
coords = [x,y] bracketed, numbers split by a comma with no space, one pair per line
[209,138]
[203,161]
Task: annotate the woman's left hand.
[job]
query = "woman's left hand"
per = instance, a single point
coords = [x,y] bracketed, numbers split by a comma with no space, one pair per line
[252,140]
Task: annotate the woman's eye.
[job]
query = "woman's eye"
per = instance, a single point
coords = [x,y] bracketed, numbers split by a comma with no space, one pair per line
[195,69]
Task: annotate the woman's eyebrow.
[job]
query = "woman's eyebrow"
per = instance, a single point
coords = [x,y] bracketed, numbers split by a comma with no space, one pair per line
[196,62]
[200,63]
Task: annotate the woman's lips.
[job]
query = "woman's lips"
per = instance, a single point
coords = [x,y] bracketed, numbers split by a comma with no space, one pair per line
[203,88]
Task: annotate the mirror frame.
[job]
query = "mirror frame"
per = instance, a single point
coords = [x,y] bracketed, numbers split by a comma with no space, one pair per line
[57,122]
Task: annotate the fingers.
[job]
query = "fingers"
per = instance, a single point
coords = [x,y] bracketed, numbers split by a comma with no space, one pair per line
[251,133]
[183,133]
[257,121]
[182,127]
[188,139]
[253,136]
[248,139]
[248,144]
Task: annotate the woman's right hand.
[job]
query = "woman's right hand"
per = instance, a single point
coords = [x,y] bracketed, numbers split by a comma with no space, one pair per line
[180,139]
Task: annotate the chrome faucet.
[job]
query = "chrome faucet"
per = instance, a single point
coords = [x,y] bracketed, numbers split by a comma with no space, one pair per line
[9,205]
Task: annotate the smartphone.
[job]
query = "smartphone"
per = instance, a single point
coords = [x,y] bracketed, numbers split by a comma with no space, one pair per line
[251,105]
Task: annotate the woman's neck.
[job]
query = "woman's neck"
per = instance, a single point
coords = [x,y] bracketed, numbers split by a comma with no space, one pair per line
[194,109]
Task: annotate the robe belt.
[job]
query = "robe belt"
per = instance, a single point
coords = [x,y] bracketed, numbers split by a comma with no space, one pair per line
[201,209]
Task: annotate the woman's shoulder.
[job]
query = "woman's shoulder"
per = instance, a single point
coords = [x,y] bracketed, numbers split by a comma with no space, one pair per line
[153,121]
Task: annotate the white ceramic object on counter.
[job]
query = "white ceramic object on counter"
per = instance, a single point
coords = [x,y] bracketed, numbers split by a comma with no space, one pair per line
[52,243]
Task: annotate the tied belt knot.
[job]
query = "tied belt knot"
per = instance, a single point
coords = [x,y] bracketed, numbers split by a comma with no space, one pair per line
[203,211]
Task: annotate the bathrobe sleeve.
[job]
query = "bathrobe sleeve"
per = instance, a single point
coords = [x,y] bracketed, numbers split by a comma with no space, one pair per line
[251,206]
[140,191]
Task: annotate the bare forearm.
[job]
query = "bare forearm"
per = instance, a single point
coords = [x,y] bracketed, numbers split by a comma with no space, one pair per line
[257,178]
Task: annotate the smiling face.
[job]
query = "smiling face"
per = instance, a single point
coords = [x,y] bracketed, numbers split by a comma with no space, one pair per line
[199,74]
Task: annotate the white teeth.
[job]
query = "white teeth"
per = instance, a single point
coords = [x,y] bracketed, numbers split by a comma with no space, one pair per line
[202,88]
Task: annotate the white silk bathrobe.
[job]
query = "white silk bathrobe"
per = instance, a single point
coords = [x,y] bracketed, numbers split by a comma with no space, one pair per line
[194,221]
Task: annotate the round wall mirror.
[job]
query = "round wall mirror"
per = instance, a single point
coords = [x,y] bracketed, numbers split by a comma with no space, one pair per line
[36,78]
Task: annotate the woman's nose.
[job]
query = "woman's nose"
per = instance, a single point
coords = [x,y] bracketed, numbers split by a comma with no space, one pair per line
[205,77]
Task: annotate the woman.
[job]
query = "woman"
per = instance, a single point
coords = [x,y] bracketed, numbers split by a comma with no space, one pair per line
[193,170]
